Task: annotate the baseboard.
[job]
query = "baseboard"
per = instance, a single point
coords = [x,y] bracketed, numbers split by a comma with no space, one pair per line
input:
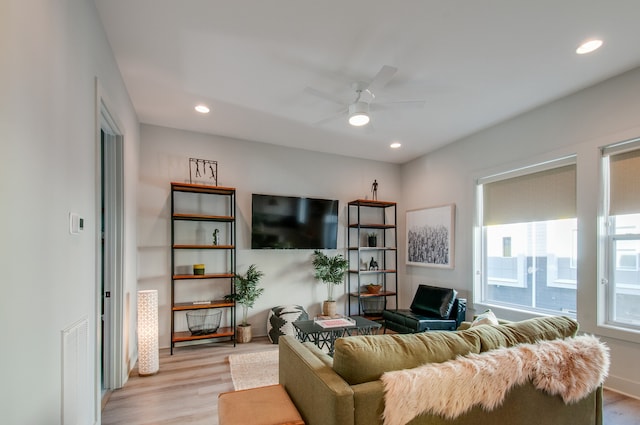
[623,386]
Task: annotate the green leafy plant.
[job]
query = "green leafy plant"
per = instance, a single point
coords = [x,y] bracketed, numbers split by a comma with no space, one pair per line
[329,269]
[247,291]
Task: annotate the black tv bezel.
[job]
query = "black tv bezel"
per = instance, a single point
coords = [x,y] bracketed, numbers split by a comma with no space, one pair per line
[334,212]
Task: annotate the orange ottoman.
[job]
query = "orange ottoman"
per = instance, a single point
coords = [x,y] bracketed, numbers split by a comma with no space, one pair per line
[269,405]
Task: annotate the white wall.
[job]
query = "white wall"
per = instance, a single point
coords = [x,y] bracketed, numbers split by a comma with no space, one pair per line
[577,124]
[52,52]
[251,168]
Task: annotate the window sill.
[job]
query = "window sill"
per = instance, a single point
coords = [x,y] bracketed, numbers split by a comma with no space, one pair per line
[618,332]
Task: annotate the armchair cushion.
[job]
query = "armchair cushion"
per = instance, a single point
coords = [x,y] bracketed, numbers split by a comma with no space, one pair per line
[432,301]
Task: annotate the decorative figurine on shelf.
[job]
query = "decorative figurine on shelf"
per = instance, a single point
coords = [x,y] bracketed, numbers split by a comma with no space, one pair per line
[374,190]
[215,236]
[363,265]
[373,264]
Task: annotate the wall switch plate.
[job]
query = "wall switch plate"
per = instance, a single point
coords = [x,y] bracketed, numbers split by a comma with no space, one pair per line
[76,224]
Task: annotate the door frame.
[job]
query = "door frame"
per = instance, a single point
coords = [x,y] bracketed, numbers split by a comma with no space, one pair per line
[114,233]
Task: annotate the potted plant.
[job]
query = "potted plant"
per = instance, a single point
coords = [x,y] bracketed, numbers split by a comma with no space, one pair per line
[247,292]
[372,239]
[329,270]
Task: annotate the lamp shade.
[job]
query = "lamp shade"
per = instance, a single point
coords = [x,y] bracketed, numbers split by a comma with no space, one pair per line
[148,355]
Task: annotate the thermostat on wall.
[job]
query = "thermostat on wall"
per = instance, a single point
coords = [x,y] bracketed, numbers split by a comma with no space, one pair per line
[76,224]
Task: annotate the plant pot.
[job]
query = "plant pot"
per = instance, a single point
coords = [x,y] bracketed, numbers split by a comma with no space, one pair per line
[243,334]
[373,241]
[329,308]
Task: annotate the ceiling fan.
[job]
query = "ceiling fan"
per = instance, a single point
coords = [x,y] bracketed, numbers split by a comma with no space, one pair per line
[363,99]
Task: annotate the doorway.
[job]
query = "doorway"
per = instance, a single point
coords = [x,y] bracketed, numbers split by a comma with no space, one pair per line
[110,373]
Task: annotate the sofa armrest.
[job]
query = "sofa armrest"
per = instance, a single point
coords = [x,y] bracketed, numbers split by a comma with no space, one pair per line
[369,402]
[321,396]
[459,311]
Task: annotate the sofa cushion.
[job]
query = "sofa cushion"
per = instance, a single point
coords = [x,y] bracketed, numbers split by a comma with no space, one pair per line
[527,331]
[365,358]
[433,301]
[541,328]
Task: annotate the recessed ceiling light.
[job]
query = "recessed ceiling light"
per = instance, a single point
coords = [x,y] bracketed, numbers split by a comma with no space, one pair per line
[202,109]
[395,145]
[588,46]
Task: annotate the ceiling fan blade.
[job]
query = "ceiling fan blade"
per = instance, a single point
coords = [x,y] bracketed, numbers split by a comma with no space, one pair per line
[382,78]
[400,104]
[327,96]
[332,117]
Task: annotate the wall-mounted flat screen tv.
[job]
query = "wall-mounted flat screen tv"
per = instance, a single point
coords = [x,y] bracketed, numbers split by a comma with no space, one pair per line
[288,222]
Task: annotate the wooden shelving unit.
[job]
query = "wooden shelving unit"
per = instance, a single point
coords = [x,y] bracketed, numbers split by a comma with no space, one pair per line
[212,207]
[378,217]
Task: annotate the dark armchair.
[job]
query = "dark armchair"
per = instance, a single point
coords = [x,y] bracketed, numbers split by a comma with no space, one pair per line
[432,309]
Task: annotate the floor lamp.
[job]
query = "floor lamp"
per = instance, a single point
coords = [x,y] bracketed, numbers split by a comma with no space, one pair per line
[148,356]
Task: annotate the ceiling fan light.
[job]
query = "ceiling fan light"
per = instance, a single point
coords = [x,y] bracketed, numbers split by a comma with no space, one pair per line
[359,119]
[359,114]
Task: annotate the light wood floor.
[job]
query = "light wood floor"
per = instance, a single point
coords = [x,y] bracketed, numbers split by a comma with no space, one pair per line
[186,389]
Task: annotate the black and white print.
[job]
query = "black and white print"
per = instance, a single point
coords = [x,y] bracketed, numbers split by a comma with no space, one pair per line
[430,236]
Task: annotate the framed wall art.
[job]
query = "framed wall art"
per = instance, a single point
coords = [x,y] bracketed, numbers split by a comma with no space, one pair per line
[430,236]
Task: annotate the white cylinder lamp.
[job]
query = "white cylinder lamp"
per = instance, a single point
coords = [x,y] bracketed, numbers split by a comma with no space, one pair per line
[148,353]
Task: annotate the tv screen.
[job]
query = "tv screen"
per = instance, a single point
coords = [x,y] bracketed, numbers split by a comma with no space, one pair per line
[288,222]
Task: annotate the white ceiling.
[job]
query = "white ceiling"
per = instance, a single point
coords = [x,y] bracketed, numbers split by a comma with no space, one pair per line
[474,62]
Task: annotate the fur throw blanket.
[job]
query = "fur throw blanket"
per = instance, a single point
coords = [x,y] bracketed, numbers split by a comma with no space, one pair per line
[570,368]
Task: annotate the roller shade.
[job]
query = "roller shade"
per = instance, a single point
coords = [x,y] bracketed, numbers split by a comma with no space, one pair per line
[540,196]
[624,183]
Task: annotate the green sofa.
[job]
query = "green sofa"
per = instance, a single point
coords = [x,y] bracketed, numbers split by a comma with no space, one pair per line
[347,389]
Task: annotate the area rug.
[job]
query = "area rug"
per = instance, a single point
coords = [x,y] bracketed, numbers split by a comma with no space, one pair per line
[251,370]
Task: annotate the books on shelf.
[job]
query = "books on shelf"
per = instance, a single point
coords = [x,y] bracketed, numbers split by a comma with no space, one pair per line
[334,322]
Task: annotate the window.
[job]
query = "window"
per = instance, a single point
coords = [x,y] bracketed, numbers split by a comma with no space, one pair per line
[621,234]
[527,244]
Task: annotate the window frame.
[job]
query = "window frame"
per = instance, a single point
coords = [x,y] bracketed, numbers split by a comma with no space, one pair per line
[480,240]
[607,252]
